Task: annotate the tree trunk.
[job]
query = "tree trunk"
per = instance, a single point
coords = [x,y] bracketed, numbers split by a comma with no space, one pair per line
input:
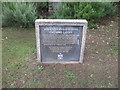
[50,8]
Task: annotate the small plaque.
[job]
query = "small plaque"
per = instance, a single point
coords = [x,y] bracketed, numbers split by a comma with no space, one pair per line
[60,41]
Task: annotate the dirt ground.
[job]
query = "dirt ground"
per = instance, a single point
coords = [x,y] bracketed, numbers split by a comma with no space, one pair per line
[99,69]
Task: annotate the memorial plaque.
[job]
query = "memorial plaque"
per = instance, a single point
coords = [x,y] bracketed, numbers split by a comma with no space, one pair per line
[60,41]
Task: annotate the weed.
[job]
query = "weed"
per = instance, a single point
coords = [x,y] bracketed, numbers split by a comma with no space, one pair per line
[34,80]
[40,68]
[69,74]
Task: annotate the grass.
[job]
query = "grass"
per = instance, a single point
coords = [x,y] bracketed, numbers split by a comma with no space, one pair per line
[18,46]
[21,70]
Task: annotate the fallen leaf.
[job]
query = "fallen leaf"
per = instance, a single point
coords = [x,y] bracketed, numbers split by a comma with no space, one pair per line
[107,42]
[91,75]
[97,52]
[93,41]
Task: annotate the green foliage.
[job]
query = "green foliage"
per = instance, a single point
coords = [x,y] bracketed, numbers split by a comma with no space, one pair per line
[69,74]
[90,11]
[85,10]
[91,75]
[18,46]
[40,68]
[91,25]
[19,14]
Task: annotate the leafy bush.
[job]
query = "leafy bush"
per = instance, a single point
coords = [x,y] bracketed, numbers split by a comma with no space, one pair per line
[21,14]
[91,11]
